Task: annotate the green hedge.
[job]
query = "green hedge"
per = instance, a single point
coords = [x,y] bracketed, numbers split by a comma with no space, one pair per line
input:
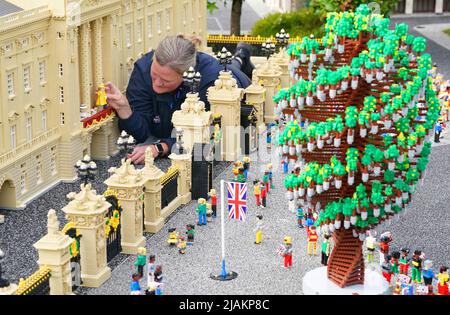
[299,23]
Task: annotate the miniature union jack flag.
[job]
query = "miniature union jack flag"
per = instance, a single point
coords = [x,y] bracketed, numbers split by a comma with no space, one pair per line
[237,200]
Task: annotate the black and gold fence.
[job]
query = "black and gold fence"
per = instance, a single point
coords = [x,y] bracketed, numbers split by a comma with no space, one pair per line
[36,284]
[216,42]
[169,190]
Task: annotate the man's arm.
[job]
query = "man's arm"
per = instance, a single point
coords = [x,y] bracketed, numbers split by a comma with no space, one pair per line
[138,95]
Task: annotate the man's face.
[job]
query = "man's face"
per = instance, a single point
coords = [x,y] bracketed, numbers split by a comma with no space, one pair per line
[164,79]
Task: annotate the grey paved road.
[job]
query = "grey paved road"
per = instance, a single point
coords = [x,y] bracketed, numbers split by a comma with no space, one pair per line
[440,55]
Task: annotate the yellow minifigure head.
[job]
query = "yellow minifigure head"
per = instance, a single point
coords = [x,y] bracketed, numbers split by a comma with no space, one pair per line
[101,86]
[287,240]
[142,250]
[246,159]
[201,200]
[212,192]
[269,166]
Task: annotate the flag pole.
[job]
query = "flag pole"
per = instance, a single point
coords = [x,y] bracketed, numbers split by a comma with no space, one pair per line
[224,275]
[222,223]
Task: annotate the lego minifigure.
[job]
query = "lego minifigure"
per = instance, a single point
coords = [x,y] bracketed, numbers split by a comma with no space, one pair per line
[309,221]
[101,96]
[416,266]
[404,261]
[263,195]
[141,261]
[151,268]
[236,168]
[385,239]
[209,213]
[394,262]
[269,137]
[201,210]
[212,194]
[287,253]
[428,274]
[430,289]
[300,216]
[258,229]
[135,287]
[312,240]
[285,163]
[266,180]
[173,237]
[370,245]
[257,192]
[325,249]
[152,287]
[443,278]
[269,169]
[386,268]
[182,245]
[158,279]
[190,232]
[246,165]
[241,176]
[397,290]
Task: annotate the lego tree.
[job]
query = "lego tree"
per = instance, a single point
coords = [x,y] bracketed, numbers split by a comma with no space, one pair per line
[364,145]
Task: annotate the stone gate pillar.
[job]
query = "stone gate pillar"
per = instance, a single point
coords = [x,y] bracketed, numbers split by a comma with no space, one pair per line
[128,184]
[54,253]
[270,78]
[153,220]
[255,95]
[194,121]
[282,60]
[87,211]
[225,98]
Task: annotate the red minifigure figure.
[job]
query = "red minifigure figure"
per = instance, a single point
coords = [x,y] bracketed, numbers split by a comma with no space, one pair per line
[404,261]
[257,192]
[386,268]
[443,278]
[263,195]
[287,253]
[213,195]
[385,239]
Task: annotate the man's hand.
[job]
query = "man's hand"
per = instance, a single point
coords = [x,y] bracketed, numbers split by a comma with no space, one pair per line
[118,101]
[138,154]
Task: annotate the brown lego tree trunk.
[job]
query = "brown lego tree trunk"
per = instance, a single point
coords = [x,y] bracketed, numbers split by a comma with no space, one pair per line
[236,12]
[346,262]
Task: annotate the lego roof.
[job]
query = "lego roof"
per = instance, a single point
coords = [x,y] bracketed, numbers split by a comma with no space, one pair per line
[8,8]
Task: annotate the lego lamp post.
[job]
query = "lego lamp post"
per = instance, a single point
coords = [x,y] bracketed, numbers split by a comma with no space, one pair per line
[224,57]
[86,169]
[126,143]
[268,48]
[282,39]
[179,144]
[192,79]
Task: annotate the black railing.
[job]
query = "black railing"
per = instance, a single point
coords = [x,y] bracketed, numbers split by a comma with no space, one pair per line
[113,240]
[169,190]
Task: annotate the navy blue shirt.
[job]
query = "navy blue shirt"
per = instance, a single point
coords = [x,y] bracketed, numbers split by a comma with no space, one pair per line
[151,119]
